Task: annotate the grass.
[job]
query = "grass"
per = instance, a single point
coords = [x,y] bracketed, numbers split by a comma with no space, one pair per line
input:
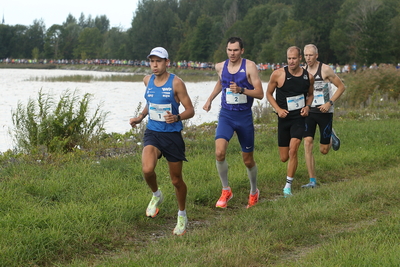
[74,211]
[87,208]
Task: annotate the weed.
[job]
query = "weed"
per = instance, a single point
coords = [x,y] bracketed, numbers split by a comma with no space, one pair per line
[49,126]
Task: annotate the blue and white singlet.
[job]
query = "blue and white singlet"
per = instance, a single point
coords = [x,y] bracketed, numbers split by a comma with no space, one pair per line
[160,99]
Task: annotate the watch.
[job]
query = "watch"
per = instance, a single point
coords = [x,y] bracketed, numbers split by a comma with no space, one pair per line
[178,118]
[331,102]
[241,90]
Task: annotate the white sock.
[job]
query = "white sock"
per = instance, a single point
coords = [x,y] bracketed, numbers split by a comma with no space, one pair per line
[182,213]
[289,182]
[157,193]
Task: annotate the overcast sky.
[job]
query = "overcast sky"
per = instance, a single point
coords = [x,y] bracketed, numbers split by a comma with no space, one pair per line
[24,12]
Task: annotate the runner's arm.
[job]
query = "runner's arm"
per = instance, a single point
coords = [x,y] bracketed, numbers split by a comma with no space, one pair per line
[255,80]
[183,97]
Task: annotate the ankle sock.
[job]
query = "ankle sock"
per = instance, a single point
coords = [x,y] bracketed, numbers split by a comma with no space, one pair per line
[157,193]
[289,181]
[182,213]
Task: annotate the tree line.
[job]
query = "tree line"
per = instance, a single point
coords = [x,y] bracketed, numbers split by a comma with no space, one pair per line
[345,31]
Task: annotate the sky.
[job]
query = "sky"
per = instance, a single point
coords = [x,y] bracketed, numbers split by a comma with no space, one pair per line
[24,12]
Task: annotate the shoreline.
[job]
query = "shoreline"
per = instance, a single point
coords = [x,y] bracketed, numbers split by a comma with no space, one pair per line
[188,75]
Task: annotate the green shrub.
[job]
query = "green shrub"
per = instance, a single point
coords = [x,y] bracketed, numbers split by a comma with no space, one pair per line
[371,88]
[56,127]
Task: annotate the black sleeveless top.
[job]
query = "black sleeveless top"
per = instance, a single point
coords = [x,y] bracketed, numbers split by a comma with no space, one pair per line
[293,86]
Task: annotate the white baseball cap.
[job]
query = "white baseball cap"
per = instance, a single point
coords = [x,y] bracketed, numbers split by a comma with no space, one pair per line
[159,52]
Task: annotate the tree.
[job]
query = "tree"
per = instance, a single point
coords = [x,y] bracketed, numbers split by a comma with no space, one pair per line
[35,37]
[115,44]
[395,29]
[261,30]
[152,27]
[18,42]
[89,43]
[373,45]
[70,20]
[362,32]
[35,53]
[343,30]
[52,42]
[6,33]
[200,43]
[231,14]
[254,29]
[86,23]
[102,23]
[317,19]
[69,39]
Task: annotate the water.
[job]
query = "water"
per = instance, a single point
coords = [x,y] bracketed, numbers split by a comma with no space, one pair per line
[120,99]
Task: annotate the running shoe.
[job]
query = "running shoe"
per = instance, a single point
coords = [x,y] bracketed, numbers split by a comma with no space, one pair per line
[253,199]
[287,192]
[152,208]
[309,185]
[180,228]
[225,197]
[335,141]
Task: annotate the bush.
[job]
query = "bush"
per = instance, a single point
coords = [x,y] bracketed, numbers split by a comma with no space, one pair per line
[59,127]
[372,87]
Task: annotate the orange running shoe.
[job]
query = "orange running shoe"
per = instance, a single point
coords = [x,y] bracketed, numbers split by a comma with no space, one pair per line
[253,199]
[225,197]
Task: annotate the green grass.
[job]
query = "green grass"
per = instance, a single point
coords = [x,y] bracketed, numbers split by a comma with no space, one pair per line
[87,208]
[83,211]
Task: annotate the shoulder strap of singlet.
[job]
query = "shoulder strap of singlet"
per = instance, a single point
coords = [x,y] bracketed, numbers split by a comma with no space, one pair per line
[319,69]
[288,74]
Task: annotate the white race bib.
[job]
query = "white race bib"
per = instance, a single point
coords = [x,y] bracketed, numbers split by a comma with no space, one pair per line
[321,93]
[158,111]
[235,98]
[295,102]
[318,99]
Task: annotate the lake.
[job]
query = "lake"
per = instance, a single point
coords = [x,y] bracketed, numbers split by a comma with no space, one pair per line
[120,99]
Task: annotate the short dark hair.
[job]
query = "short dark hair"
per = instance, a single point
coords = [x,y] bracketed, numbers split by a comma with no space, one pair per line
[233,40]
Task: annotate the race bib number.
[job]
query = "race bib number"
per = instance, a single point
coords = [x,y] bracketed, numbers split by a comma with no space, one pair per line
[295,102]
[321,93]
[318,99]
[158,111]
[235,98]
